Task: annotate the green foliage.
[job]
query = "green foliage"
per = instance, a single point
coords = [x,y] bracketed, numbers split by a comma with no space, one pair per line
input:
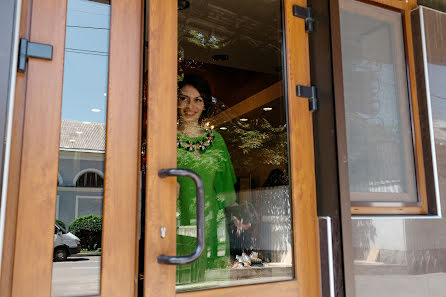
[205,40]
[258,141]
[62,224]
[89,230]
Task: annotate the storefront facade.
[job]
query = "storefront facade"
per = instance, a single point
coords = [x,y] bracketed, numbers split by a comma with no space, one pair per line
[334,190]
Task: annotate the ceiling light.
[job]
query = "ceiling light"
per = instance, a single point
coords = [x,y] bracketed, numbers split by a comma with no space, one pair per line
[95,110]
[243,120]
[267,108]
[72,140]
[86,122]
[79,132]
[223,128]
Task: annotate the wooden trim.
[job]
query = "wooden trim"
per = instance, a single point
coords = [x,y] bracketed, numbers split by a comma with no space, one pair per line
[418,147]
[386,210]
[410,152]
[38,183]
[282,289]
[261,98]
[121,185]
[302,166]
[159,280]
[14,167]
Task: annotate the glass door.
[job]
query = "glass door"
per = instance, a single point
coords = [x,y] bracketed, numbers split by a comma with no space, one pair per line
[219,103]
[79,148]
[228,159]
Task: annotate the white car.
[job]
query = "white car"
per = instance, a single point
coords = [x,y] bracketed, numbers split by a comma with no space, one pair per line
[65,244]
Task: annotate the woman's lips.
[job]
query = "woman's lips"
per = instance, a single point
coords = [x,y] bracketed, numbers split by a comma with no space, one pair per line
[189,114]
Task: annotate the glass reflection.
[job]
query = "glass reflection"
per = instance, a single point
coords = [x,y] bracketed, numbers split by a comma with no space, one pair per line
[404,256]
[78,229]
[377,108]
[232,131]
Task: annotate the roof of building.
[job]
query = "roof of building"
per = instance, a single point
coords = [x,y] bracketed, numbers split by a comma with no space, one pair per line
[82,136]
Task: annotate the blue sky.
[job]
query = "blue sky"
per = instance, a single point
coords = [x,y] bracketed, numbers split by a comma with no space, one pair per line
[86,61]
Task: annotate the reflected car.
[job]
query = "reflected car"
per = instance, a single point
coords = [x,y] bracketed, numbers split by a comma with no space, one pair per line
[65,244]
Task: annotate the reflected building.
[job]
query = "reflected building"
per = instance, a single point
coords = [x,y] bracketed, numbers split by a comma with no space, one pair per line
[81,170]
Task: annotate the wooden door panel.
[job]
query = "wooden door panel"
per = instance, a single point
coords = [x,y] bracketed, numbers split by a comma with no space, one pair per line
[121,186]
[40,148]
[306,234]
[159,280]
[32,251]
[161,16]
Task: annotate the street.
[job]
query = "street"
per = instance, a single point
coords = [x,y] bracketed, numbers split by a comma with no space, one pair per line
[78,276]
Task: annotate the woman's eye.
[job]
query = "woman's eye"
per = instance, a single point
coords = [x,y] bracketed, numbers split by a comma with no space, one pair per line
[198,99]
[182,98]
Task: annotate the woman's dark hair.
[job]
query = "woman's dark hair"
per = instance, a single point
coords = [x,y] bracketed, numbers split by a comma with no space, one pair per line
[203,88]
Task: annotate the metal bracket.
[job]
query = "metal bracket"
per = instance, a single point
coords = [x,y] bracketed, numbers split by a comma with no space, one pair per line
[310,93]
[32,50]
[304,13]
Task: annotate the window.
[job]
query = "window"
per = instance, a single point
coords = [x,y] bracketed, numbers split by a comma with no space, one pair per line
[90,179]
[382,126]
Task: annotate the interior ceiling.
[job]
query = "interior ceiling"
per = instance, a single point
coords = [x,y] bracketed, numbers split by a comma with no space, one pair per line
[248,31]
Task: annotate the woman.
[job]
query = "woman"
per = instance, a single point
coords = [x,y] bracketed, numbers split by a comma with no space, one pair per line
[203,151]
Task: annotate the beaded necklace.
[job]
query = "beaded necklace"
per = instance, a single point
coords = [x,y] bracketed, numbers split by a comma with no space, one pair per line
[199,145]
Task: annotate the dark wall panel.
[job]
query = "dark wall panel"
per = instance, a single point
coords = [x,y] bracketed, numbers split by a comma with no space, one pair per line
[435,4]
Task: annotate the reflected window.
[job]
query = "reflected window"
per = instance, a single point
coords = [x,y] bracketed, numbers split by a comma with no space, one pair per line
[90,180]
[82,147]
[232,131]
[385,166]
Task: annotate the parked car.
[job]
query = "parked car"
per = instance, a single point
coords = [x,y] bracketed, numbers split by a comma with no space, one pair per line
[65,244]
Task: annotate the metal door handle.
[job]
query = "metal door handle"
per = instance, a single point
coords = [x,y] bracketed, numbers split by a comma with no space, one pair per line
[181,260]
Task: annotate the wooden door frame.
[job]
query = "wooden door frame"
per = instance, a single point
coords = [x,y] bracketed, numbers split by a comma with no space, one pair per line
[159,279]
[29,232]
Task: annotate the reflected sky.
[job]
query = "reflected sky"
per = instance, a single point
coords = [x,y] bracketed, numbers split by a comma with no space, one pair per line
[86,61]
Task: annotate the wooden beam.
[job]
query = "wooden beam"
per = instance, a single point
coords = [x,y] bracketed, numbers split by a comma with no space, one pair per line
[261,98]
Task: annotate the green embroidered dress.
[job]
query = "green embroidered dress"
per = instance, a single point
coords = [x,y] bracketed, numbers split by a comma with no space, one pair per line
[215,168]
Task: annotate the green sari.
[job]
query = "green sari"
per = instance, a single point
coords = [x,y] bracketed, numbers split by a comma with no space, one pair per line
[215,168]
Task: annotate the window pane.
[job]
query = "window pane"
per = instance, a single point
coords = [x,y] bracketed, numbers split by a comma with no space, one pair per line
[377,105]
[82,148]
[232,131]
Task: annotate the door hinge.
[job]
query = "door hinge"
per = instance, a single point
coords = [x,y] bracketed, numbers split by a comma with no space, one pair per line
[310,93]
[304,13]
[32,50]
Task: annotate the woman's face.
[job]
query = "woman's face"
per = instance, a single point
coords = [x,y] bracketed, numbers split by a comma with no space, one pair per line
[190,104]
